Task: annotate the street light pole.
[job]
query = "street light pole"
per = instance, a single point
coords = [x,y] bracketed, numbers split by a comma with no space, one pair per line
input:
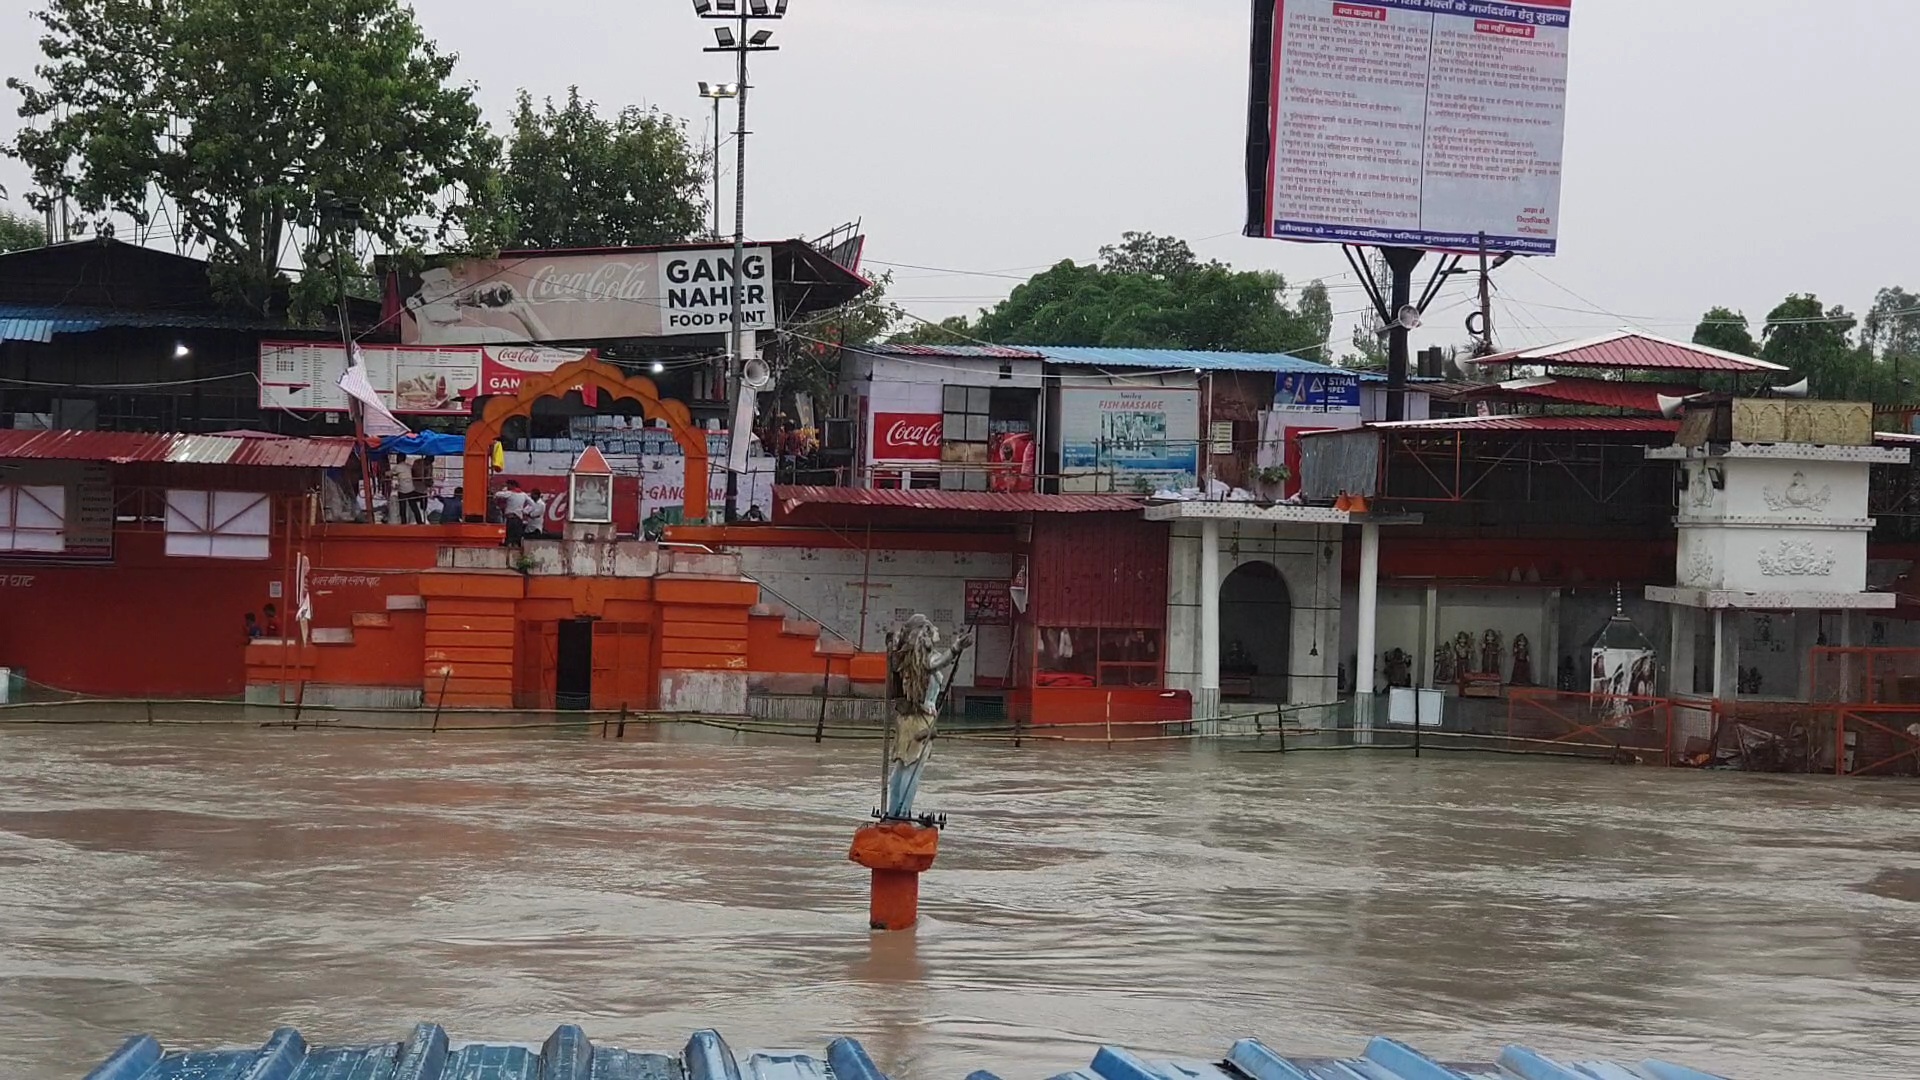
[718,92]
[737,40]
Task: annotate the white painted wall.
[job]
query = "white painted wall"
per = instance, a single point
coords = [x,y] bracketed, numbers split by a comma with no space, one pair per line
[825,584]
[1300,553]
[1773,525]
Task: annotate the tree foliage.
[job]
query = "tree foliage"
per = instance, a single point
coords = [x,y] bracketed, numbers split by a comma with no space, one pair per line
[1816,342]
[248,114]
[18,231]
[815,346]
[576,179]
[1151,292]
[1726,330]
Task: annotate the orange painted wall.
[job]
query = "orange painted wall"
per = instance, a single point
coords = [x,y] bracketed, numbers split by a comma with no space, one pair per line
[146,625]
[1042,706]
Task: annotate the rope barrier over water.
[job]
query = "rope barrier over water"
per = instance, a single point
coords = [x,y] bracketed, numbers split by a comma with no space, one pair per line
[1274,730]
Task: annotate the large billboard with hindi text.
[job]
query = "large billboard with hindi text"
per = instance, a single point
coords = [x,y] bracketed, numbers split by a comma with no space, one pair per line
[1408,123]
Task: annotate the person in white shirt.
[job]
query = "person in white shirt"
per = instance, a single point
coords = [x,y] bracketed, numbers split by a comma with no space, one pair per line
[536,513]
[513,511]
[399,490]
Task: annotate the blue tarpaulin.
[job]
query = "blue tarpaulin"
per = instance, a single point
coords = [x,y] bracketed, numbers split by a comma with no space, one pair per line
[430,443]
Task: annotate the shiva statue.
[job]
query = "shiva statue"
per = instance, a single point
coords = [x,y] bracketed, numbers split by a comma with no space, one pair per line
[919,672]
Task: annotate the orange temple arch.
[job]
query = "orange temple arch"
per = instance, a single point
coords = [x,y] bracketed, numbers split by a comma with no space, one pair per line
[599,374]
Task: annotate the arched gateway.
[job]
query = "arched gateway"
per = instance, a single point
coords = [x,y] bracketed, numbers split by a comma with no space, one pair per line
[596,373]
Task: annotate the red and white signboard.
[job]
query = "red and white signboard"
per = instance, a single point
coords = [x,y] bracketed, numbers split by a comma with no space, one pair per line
[412,381]
[504,367]
[906,436]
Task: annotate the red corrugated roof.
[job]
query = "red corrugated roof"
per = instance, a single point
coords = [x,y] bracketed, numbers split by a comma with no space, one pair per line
[934,499]
[130,446]
[1601,393]
[1621,425]
[1631,350]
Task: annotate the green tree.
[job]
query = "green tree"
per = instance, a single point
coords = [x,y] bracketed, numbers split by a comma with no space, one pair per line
[1816,342]
[248,114]
[576,179]
[1726,329]
[816,345]
[952,330]
[18,231]
[1891,331]
[1150,292]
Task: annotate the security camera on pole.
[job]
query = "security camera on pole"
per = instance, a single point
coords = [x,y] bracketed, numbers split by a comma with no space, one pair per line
[737,40]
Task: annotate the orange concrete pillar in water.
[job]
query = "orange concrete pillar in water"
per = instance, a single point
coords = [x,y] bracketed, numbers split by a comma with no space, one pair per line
[897,852]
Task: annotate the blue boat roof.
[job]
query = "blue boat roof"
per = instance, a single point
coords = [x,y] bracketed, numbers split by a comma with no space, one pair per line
[567,1054]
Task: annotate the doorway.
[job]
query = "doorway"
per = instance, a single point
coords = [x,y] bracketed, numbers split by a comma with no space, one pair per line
[1256,640]
[573,666]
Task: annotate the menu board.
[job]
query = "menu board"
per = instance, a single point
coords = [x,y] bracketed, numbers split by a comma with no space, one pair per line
[422,381]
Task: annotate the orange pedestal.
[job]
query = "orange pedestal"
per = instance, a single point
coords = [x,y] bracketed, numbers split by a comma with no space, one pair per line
[897,852]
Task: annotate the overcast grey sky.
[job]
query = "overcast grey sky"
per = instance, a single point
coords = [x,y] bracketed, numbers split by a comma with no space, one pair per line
[1717,151]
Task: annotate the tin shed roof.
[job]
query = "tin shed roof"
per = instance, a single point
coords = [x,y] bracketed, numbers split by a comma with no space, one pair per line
[567,1054]
[40,322]
[1632,350]
[1566,390]
[1610,425]
[789,498]
[121,447]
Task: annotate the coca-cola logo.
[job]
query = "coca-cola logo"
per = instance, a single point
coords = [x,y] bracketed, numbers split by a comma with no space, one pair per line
[601,279]
[530,358]
[903,433]
[912,436]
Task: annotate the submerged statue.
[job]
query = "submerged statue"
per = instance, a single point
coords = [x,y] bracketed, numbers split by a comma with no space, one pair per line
[919,672]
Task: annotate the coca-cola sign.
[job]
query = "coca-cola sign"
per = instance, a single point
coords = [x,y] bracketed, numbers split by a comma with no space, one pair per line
[579,298]
[906,436]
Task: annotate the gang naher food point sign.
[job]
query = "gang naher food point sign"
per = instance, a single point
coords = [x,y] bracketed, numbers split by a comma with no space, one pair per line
[1408,123]
[586,296]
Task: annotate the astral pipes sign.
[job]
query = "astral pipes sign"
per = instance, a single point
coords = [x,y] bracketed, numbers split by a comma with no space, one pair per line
[558,298]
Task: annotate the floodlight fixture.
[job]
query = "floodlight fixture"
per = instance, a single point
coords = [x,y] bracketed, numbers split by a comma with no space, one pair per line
[760,37]
[724,35]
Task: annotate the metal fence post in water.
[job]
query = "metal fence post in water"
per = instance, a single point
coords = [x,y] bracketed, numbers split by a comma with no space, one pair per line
[446,676]
[826,687]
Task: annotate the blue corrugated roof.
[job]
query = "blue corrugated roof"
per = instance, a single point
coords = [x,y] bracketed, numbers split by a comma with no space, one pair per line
[1171,359]
[568,1054]
[39,322]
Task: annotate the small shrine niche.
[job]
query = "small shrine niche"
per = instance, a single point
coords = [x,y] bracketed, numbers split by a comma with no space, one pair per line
[590,489]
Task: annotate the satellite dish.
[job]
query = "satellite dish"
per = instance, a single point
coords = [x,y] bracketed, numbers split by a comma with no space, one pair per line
[1799,389]
[1670,406]
[1408,319]
[756,375]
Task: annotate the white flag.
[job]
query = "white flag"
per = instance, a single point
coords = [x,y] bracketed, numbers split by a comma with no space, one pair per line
[378,419]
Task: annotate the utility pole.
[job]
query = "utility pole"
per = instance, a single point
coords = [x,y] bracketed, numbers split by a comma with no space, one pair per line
[338,216]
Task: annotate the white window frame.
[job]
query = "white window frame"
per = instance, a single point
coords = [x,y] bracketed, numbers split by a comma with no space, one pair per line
[219,525]
[33,518]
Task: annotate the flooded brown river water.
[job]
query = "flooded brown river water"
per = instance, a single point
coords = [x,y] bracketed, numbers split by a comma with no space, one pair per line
[208,885]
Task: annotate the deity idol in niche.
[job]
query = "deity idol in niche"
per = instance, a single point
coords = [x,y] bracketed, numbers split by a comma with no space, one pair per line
[1522,662]
[1462,654]
[1490,653]
[1442,665]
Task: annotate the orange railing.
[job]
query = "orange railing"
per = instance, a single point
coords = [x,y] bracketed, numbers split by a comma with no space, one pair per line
[1636,728]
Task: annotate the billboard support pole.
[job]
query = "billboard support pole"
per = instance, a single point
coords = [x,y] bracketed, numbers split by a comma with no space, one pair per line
[1401,261]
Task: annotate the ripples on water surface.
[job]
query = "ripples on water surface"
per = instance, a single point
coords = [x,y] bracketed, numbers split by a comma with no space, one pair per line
[209,885]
